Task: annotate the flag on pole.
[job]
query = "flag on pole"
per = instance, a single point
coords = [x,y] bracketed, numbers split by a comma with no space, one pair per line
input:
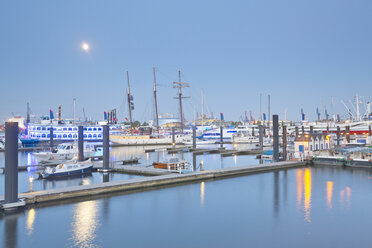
[51,115]
[221,114]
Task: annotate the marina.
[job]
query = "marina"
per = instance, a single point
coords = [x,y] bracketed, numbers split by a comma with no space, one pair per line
[185,124]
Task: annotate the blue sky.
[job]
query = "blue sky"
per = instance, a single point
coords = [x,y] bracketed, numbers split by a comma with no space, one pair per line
[302,53]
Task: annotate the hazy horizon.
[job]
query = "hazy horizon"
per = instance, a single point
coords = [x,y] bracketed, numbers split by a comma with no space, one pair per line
[301,53]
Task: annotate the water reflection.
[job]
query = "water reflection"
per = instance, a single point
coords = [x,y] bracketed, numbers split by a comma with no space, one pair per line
[304,184]
[329,193]
[307,202]
[276,193]
[300,184]
[30,221]
[202,193]
[345,196]
[11,230]
[85,223]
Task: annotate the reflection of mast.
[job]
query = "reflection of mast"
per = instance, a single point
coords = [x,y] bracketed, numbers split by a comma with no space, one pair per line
[156,103]
[180,85]
[130,106]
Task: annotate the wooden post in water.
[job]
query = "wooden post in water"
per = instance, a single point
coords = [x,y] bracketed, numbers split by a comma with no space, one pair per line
[296,131]
[11,162]
[51,145]
[260,136]
[311,129]
[276,137]
[303,129]
[347,134]
[338,136]
[194,137]
[369,130]
[221,136]
[253,131]
[106,147]
[81,143]
[284,136]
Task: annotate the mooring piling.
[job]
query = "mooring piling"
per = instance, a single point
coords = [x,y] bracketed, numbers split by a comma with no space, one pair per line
[81,143]
[106,147]
[276,137]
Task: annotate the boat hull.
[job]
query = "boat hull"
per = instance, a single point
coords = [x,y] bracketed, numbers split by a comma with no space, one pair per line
[81,171]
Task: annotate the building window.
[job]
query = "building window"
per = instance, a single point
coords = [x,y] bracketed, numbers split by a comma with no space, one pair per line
[311,147]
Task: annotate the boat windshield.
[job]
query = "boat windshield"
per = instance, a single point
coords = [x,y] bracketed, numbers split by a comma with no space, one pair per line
[173,160]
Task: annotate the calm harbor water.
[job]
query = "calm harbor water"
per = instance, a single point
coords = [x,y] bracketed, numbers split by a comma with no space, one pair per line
[28,180]
[307,207]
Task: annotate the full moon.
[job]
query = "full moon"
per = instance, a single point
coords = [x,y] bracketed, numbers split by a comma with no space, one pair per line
[85,47]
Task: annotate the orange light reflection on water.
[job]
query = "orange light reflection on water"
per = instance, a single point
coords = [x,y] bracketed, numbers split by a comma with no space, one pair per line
[307,195]
[329,194]
[304,184]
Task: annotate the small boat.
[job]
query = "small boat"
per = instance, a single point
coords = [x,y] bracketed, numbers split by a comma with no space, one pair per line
[267,155]
[64,151]
[174,164]
[70,168]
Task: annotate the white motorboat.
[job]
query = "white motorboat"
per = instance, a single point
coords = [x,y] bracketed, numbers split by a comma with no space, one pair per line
[64,151]
[70,168]
[245,138]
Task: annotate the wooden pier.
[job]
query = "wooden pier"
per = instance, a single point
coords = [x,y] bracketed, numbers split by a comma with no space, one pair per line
[150,183]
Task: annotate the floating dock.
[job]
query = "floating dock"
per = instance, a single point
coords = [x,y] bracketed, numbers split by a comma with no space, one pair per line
[149,183]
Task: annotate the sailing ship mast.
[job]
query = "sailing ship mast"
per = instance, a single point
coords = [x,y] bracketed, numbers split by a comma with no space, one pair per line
[130,106]
[156,103]
[180,85]
[202,105]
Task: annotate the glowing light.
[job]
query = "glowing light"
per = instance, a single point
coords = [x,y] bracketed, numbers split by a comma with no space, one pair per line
[85,46]
[202,193]
[30,221]
[307,194]
[329,193]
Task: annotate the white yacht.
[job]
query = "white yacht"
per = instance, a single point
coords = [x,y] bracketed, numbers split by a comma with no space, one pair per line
[64,151]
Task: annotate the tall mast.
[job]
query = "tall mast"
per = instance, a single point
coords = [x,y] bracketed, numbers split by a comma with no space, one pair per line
[268,106]
[202,105]
[180,99]
[261,107]
[74,101]
[156,103]
[129,106]
[357,108]
[180,85]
